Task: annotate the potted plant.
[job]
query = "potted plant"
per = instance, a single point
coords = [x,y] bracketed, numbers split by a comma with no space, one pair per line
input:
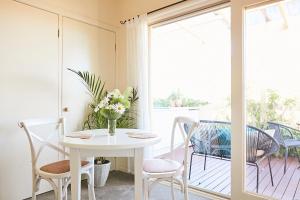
[96,120]
[101,171]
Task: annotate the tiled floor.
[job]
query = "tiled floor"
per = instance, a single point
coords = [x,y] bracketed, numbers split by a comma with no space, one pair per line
[120,187]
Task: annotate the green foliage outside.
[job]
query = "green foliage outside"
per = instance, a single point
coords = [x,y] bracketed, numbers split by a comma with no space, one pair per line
[271,107]
[177,99]
[274,108]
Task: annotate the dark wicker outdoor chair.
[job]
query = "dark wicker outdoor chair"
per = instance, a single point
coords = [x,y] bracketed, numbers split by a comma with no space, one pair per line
[213,138]
[286,137]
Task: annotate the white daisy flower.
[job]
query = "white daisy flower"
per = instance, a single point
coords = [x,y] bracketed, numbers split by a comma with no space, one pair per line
[119,108]
[104,102]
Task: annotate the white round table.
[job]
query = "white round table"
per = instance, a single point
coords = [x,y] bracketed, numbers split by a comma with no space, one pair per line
[101,144]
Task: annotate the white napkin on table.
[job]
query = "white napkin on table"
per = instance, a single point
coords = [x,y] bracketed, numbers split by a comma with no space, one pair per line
[141,135]
[80,135]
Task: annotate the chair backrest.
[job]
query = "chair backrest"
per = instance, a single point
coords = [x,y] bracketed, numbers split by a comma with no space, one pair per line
[179,122]
[27,125]
[258,139]
[214,138]
[282,132]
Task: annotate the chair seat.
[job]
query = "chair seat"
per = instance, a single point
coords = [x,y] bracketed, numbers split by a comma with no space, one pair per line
[260,153]
[60,167]
[292,143]
[161,165]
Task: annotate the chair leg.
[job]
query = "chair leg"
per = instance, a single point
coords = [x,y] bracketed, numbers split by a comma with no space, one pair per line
[146,189]
[204,166]
[172,189]
[285,157]
[257,178]
[191,165]
[297,154]
[59,189]
[34,187]
[186,192]
[91,190]
[65,189]
[54,186]
[181,186]
[270,169]
[205,160]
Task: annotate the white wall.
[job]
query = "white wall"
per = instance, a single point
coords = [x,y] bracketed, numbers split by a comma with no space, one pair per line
[30,79]
[101,11]
[104,13]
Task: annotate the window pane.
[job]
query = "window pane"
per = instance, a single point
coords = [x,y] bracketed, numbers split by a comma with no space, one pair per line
[273,93]
[190,76]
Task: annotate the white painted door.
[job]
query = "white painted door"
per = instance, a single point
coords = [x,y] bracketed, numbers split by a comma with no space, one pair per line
[28,89]
[86,48]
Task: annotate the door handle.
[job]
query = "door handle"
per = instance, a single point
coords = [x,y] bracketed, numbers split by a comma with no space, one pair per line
[66,109]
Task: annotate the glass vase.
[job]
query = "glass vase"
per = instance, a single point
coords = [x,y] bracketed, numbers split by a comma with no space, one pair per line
[112,123]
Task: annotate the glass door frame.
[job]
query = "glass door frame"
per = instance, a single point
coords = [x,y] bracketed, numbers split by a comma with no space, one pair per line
[238,105]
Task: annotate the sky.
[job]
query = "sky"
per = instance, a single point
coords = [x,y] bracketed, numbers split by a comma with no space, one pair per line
[193,55]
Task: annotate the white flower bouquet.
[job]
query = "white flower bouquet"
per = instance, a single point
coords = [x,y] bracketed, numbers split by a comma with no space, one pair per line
[113,106]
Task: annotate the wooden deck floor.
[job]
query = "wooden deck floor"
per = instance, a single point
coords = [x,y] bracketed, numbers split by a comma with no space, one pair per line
[217,175]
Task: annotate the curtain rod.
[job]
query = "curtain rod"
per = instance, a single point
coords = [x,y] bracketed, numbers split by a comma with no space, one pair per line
[156,10]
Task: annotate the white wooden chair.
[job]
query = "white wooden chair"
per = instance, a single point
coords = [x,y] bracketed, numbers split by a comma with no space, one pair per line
[160,169]
[57,173]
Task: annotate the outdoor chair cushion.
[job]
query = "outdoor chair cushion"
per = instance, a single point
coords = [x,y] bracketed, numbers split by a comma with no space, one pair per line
[59,167]
[260,153]
[161,165]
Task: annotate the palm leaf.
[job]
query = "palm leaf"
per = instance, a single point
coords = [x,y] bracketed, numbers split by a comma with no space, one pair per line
[93,84]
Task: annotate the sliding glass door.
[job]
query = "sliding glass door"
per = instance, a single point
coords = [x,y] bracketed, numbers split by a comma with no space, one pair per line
[190,76]
[265,99]
[238,77]
[272,47]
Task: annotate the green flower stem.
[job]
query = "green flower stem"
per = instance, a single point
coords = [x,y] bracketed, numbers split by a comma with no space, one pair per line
[112,123]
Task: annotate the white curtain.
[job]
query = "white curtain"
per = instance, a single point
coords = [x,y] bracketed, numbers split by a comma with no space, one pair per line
[138,72]
[137,67]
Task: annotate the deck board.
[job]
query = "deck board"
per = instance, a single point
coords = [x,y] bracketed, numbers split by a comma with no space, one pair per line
[297,193]
[284,183]
[279,176]
[251,186]
[292,188]
[217,177]
[276,166]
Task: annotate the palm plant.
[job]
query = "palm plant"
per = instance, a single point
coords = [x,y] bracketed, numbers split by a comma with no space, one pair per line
[96,88]
[93,84]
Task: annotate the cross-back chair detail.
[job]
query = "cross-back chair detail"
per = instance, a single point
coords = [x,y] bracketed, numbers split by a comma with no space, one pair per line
[171,170]
[35,153]
[63,177]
